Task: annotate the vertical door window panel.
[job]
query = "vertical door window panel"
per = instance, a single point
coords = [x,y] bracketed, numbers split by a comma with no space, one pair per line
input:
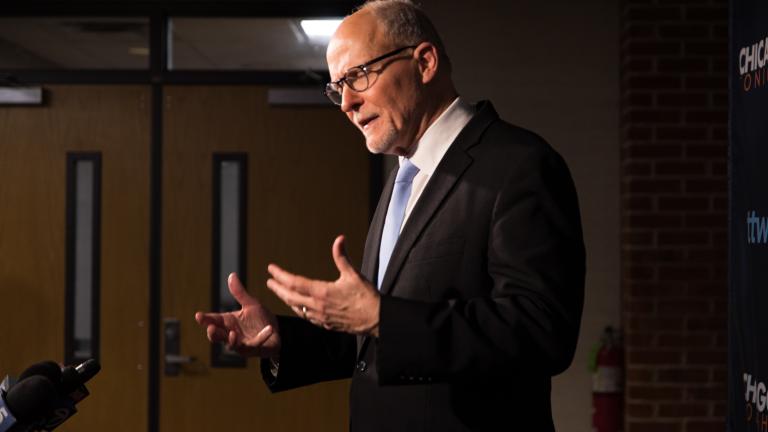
[229,228]
[83,256]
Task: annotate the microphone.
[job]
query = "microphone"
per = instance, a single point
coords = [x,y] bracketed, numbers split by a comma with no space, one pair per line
[48,369]
[73,379]
[64,388]
[26,403]
[70,390]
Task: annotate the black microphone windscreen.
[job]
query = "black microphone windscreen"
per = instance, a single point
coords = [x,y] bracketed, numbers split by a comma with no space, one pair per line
[48,369]
[32,398]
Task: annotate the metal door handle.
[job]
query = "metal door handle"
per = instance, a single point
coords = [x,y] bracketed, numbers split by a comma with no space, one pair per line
[173,359]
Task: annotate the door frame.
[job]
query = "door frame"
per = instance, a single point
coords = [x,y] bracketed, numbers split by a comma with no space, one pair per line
[157,75]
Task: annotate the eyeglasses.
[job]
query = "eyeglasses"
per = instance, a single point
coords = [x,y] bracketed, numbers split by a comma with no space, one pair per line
[356,78]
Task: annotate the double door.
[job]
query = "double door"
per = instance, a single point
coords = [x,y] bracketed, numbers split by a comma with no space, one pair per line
[295,177]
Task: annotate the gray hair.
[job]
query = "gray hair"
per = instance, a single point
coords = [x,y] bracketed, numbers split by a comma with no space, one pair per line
[406,24]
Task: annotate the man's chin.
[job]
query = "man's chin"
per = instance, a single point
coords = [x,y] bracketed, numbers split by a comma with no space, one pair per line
[372,150]
[374,147]
[386,145]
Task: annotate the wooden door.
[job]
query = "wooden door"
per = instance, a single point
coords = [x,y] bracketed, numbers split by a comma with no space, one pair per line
[112,122]
[307,181]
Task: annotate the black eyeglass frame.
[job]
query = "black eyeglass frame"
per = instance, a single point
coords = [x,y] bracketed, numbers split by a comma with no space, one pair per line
[329,88]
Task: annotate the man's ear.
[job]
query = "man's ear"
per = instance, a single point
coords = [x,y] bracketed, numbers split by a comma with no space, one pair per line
[428,60]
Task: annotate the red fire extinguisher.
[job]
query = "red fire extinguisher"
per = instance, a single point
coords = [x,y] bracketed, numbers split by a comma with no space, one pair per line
[608,384]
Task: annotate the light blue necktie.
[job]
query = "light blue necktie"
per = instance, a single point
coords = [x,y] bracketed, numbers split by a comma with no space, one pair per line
[395,214]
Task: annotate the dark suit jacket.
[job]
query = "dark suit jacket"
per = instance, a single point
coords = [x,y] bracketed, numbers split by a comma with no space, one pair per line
[481,302]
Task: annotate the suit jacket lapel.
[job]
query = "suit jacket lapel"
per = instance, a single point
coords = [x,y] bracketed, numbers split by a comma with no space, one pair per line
[439,185]
[445,176]
[373,240]
[447,173]
[450,169]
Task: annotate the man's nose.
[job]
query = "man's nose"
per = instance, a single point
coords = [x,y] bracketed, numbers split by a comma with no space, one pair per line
[350,100]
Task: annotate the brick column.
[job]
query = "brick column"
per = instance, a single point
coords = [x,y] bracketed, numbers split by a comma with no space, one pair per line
[674,102]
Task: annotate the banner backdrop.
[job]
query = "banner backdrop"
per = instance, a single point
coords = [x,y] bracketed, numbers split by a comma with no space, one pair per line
[748,266]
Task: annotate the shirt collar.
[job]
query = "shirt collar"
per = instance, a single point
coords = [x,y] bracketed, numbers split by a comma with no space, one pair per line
[439,136]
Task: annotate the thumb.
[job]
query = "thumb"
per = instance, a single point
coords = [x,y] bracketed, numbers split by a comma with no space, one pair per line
[339,252]
[238,291]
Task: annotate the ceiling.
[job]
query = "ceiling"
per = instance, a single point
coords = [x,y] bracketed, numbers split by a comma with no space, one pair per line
[123,43]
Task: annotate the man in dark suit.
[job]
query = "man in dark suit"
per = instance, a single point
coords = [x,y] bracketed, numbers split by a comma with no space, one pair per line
[471,289]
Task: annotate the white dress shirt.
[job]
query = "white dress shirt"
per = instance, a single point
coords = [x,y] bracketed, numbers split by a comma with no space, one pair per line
[432,147]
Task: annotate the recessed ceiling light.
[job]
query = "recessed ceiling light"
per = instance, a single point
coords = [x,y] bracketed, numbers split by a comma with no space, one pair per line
[320,28]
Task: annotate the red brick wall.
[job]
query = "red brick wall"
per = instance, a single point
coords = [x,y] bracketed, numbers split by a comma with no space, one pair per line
[674,200]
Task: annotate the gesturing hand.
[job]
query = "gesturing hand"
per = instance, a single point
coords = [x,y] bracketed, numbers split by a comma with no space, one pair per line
[251,331]
[349,304]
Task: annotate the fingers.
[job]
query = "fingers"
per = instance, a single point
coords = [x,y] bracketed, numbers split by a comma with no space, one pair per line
[238,291]
[217,331]
[310,316]
[216,334]
[214,326]
[340,258]
[236,343]
[288,279]
[205,319]
[289,296]
[299,311]
[261,337]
